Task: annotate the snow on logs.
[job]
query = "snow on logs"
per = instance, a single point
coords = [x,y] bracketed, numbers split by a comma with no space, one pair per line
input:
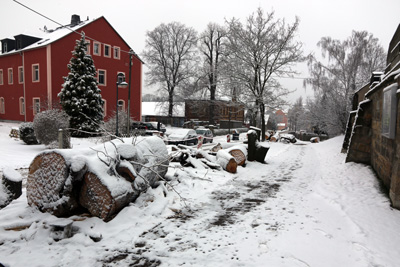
[10,186]
[103,179]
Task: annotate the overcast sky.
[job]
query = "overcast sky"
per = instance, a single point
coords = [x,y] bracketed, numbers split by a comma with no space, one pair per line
[133,18]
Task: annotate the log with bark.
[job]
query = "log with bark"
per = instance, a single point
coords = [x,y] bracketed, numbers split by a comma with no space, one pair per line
[104,195]
[149,158]
[10,187]
[51,183]
[255,150]
[103,179]
[226,161]
[239,152]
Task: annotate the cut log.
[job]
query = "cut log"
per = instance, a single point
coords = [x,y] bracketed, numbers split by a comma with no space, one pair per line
[216,148]
[239,156]
[274,138]
[226,161]
[149,157]
[12,182]
[211,165]
[255,150]
[261,152]
[205,155]
[50,185]
[106,195]
[125,169]
[314,140]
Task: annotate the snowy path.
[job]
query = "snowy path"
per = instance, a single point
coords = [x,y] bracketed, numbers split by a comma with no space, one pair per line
[305,207]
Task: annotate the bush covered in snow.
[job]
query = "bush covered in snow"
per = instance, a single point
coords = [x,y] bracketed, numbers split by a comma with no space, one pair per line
[27,133]
[47,125]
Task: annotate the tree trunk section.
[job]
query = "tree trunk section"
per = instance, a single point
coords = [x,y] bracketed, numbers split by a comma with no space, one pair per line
[99,198]
[227,161]
[50,187]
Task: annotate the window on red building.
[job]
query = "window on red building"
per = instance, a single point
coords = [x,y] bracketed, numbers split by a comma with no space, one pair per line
[20,74]
[35,73]
[10,76]
[102,77]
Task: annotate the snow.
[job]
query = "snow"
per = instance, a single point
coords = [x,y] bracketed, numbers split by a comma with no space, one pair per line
[12,174]
[304,207]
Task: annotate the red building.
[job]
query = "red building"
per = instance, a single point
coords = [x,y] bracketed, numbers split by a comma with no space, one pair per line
[281,120]
[32,68]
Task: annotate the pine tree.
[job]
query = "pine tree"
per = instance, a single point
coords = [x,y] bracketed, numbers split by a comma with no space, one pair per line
[80,96]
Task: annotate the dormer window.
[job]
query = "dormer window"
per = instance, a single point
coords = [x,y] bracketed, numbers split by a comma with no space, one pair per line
[19,44]
[5,47]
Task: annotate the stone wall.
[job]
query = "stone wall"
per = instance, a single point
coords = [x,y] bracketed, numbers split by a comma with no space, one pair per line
[360,143]
[395,178]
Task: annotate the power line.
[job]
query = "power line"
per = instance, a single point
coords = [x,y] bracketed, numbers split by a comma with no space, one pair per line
[64,26]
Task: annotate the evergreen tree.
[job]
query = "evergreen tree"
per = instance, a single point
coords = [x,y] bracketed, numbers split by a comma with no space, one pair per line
[80,97]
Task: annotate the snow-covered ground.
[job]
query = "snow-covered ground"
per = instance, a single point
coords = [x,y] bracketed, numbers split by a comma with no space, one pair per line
[304,207]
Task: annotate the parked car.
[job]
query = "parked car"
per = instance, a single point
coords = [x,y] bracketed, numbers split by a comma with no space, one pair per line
[152,125]
[183,136]
[206,133]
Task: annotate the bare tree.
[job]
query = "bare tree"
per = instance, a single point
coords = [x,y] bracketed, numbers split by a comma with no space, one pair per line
[213,49]
[260,50]
[349,67]
[296,115]
[170,52]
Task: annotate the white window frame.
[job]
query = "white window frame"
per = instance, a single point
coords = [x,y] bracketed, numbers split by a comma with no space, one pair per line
[20,74]
[109,50]
[87,47]
[2,105]
[98,53]
[121,105]
[105,77]
[10,76]
[36,105]
[121,79]
[34,71]
[389,110]
[21,105]
[116,48]
[1,77]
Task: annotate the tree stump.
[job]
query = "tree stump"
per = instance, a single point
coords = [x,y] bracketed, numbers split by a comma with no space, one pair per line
[261,152]
[239,156]
[50,187]
[255,150]
[226,161]
[106,195]
[252,140]
[12,182]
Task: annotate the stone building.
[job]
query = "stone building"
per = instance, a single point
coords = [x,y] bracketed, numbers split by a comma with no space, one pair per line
[375,133]
[229,114]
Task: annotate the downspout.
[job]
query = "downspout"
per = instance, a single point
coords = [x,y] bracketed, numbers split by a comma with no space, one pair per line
[23,84]
[49,78]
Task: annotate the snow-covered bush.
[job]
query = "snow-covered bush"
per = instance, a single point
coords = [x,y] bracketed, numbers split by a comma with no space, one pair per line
[47,125]
[27,133]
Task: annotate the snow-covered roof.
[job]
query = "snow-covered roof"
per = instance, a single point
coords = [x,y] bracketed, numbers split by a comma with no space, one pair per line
[161,109]
[48,37]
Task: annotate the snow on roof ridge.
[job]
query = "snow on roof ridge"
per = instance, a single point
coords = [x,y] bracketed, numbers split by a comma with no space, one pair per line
[51,36]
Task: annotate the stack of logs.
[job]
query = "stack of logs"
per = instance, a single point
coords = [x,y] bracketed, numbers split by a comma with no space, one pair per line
[102,180]
[228,159]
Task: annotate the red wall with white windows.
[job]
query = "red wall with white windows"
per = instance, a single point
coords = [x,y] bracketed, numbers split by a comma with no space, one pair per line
[53,60]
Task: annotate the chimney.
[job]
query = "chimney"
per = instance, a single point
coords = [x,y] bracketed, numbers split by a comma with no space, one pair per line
[75,20]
